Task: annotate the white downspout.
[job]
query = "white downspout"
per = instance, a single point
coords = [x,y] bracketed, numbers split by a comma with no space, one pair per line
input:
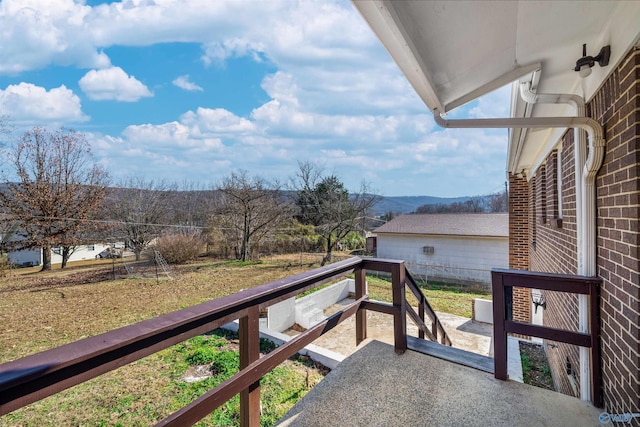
[585,190]
[585,216]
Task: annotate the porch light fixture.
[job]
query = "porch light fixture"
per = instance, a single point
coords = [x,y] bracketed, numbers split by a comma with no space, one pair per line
[584,64]
[538,300]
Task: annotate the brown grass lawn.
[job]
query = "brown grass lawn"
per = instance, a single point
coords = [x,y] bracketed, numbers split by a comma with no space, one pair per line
[39,311]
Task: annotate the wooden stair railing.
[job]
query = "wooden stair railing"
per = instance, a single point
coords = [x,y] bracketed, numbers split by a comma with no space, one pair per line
[437,332]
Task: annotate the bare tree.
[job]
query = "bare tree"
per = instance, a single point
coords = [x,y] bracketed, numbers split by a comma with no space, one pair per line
[498,202]
[193,205]
[5,131]
[141,209]
[324,202]
[59,188]
[252,208]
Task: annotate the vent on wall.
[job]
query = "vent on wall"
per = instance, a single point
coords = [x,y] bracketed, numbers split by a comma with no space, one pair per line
[428,250]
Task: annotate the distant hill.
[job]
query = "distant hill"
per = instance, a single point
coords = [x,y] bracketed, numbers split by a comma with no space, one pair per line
[406,204]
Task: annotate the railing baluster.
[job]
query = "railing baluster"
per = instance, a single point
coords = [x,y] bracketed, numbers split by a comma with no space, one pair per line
[361,315]
[594,331]
[421,314]
[399,302]
[249,334]
[499,332]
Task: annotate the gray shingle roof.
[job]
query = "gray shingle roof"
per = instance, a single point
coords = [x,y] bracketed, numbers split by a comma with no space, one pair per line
[467,224]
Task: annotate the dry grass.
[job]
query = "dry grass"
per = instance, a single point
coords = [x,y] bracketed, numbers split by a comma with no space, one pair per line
[39,311]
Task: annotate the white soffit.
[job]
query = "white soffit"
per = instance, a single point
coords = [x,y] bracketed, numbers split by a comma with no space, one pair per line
[455,51]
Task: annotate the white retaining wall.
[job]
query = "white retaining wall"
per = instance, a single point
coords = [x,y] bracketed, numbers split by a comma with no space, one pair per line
[307,311]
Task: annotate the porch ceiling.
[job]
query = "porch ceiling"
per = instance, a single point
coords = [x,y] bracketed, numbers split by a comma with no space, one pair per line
[455,51]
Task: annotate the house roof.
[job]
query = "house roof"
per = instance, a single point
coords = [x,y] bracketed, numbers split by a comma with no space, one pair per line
[455,51]
[465,224]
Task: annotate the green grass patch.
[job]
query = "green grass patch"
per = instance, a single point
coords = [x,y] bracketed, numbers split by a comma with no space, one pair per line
[443,297]
[526,368]
[149,390]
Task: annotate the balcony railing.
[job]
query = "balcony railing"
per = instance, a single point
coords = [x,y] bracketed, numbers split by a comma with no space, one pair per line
[503,282]
[40,375]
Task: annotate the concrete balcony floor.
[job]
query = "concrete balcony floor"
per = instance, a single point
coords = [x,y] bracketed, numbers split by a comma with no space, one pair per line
[376,387]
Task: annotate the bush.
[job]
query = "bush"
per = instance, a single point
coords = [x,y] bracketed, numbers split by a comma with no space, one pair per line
[180,248]
[353,240]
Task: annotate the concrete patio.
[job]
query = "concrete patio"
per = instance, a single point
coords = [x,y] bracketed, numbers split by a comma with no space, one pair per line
[376,387]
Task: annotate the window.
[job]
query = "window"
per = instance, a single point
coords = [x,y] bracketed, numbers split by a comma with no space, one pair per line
[554,187]
[428,250]
[91,247]
[541,194]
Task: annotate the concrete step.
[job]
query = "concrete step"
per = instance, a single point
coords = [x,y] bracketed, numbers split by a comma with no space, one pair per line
[451,354]
[305,307]
[310,318]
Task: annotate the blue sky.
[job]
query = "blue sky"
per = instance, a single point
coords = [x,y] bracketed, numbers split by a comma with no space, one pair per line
[190,90]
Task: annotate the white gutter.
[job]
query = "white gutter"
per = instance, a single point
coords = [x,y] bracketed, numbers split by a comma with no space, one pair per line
[585,187]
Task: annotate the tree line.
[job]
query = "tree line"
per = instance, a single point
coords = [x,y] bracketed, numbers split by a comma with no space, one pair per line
[55,194]
[492,203]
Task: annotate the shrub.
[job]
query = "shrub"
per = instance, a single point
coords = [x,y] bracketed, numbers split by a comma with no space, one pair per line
[353,240]
[180,247]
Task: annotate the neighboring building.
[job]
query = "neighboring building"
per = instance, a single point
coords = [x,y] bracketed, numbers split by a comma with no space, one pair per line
[574,198]
[458,248]
[33,257]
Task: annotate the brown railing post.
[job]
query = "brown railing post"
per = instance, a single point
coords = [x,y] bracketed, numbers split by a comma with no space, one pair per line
[361,315]
[594,331]
[499,331]
[421,314]
[399,304]
[249,334]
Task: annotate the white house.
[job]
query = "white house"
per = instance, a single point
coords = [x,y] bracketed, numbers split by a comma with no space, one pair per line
[32,257]
[458,248]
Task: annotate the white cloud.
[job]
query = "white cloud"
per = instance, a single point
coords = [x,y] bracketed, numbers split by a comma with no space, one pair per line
[183,83]
[494,104]
[300,38]
[38,33]
[113,84]
[207,121]
[335,93]
[26,102]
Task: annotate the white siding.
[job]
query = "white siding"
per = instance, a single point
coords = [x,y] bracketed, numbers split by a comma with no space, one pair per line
[81,252]
[458,258]
[34,256]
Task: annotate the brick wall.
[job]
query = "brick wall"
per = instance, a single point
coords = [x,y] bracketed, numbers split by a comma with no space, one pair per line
[617,105]
[553,244]
[519,242]
[518,223]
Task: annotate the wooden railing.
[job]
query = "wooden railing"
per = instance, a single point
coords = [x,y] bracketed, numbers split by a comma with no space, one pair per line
[40,375]
[423,306]
[503,282]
